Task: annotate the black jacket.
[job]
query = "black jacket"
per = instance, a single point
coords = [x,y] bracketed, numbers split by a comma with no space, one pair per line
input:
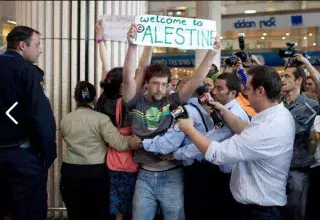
[22,82]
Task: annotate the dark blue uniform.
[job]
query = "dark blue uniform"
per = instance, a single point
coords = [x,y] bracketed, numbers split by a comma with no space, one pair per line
[27,149]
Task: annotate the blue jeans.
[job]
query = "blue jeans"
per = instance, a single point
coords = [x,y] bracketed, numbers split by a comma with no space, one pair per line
[297,192]
[159,188]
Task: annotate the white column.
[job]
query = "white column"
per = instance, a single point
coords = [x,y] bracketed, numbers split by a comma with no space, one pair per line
[64,26]
[210,10]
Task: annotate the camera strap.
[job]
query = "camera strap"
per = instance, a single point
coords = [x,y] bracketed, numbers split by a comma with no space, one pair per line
[204,122]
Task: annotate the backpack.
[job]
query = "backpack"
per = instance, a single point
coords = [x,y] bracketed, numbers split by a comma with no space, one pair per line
[121,160]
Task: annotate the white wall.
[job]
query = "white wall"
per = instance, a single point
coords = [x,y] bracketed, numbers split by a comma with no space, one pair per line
[7,10]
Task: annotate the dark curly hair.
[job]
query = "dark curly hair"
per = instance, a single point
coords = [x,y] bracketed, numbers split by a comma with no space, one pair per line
[112,83]
[158,70]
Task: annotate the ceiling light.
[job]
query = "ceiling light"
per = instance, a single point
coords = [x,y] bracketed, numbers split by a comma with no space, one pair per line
[305,38]
[314,44]
[11,22]
[262,38]
[310,34]
[250,11]
[221,38]
[296,44]
[287,34]
[264,34]
[283,38]
[181,7]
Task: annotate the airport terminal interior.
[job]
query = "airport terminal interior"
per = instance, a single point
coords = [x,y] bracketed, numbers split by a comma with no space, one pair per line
[70,50]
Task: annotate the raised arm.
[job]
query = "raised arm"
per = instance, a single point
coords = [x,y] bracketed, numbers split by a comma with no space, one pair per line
[314,74]
[144,62]
[102,49]
[129,67]
[200,74]
[235,124]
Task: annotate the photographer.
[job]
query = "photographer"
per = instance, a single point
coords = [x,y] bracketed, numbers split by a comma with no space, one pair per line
[261,151]
[242,98]
[314,74]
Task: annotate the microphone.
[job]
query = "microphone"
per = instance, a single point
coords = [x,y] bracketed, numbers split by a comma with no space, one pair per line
[204,98]
[178,111]
[243,76]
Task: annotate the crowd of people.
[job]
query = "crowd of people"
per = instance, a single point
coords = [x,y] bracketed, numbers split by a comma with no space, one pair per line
[129,156]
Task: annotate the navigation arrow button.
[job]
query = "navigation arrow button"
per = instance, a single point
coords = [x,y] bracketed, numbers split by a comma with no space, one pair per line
[9,110]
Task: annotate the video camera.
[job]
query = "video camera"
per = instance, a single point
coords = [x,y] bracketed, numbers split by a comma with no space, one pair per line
[291,53]
[244,56]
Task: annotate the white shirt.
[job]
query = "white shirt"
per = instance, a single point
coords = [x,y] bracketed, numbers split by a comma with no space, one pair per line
[262,155]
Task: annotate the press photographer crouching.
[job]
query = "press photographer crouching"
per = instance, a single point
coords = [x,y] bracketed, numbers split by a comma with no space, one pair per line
[261,151]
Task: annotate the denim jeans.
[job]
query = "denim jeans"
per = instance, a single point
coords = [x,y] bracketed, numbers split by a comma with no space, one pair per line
[163,188]
[297,192]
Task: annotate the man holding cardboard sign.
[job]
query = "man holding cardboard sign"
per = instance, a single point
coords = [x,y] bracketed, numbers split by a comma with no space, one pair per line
[179,32]
[158,182]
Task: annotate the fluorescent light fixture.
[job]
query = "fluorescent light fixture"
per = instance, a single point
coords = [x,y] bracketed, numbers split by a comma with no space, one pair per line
[181,8]
[262,38]
[11,22]
[310,34]
[287,34]
[249,11]
[283,38]
[264,34]
[305,38]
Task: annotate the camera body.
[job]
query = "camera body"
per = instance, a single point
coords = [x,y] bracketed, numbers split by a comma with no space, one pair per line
[244,56]
[290,53]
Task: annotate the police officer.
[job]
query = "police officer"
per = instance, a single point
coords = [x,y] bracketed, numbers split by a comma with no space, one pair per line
[28,136]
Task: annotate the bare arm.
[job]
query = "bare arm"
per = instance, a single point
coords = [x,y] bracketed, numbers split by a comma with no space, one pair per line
[314,74]
[201,72]
[129,67]
[235,124]
[144,62]
[199,140]
[102,49]
[313,141]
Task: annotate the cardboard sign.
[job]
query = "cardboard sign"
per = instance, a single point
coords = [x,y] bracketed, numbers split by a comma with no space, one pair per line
[115,27]
[179,32]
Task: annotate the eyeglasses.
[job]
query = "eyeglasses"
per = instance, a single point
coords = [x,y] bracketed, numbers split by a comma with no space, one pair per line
[158,84]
